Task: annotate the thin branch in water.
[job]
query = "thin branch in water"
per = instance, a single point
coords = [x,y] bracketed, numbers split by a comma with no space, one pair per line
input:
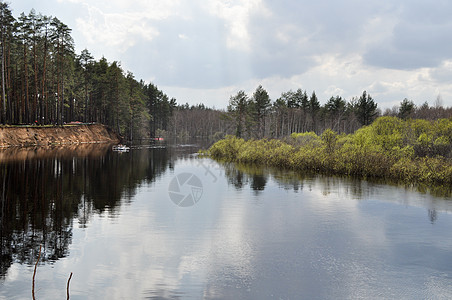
[67,289]
[34,274]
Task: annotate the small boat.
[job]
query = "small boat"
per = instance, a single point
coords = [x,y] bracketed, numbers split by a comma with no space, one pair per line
[120,148]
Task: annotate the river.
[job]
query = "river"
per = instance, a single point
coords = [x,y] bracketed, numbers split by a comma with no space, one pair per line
[158,222]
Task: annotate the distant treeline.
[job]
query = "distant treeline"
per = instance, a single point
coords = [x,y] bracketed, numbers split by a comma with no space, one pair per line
[43,81]
[256,116]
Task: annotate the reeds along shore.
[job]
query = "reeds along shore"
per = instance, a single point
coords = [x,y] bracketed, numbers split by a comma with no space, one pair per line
[408,150]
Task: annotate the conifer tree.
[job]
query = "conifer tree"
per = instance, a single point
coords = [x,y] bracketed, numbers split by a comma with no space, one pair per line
[366,109]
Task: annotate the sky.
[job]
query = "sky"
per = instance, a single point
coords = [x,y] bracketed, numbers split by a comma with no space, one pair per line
[206,51]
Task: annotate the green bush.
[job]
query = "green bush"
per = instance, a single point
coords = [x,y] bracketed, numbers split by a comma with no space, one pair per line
[412,151]
[305,138]
[227,148]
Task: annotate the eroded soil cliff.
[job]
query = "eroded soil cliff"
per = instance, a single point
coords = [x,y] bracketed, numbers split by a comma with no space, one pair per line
[66,135]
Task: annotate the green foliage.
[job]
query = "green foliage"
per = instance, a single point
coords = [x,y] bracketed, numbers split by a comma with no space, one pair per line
[389,148]
[406,109]
[366,109]
[226,149]
[239,108]
[260,106]
[314,104]
[305,138]
[329,138]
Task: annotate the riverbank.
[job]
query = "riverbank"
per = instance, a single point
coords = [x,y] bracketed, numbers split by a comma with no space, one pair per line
[56,135]
[414,151]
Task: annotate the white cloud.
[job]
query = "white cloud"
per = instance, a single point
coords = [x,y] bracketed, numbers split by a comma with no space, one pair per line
[183,36]
[114,29]
[334,75]
[352,76]
[237,15]
[151,9]
[442,74]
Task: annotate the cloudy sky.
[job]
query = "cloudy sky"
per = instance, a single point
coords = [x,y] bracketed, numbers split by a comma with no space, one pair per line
[205,51]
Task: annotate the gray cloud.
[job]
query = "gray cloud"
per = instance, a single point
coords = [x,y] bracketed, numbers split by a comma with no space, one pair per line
[282,43]
[190,54]
[193,52]
[421,38]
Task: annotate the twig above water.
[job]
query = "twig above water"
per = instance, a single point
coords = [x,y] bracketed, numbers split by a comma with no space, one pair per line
[34,274]
[67,289]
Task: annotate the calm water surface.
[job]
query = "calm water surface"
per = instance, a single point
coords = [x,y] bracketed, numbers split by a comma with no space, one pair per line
[159,223]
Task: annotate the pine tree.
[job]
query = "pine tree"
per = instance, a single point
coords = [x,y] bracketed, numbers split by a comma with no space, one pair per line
[366,109]
[6,24]
[406,108]
[261,104]
[314,108]
[335,108]
[238,108]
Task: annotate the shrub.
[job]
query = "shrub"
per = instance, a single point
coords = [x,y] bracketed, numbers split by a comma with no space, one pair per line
[305,138]
[227,148]
[413,151]
[329,138]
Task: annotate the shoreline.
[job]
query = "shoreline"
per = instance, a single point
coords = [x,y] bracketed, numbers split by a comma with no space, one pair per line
[26,136]
[412,151]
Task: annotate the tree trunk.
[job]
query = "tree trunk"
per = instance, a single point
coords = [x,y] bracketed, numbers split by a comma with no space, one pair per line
[3,82]
[25,105]
[35,98]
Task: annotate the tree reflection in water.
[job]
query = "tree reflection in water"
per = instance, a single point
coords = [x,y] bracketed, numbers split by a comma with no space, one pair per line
[240,175]
[44,191]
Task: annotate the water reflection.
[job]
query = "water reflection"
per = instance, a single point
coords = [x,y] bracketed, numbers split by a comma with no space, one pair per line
[11,154]
[432,214]
[45,190]
[241,175]
[256,233]
[256,177]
